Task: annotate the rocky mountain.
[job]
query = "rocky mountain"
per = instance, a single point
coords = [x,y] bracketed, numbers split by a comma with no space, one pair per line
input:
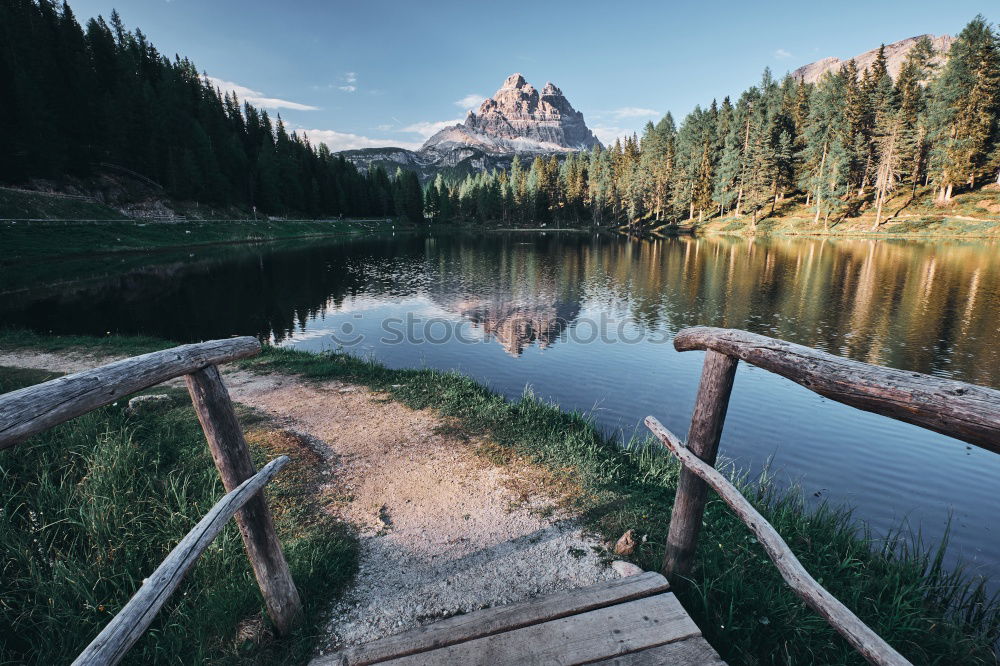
[517,120]
[895,56]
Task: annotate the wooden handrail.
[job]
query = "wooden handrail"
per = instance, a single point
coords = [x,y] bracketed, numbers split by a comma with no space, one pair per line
[135,616]
[964,411]
[232,458]
[871,646]
[714,388]
[36,408]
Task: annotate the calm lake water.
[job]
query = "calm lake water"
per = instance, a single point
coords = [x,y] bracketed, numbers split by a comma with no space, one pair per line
[587,322]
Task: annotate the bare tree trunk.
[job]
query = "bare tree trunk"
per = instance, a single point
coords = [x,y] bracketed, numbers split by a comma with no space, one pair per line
[819,198]
[746,148]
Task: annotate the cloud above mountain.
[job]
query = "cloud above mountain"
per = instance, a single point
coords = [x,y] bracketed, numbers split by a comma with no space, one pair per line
[470,101]
[428,129]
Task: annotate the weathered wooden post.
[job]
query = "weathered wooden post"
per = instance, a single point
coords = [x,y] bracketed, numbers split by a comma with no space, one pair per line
[710,407]
[232,458]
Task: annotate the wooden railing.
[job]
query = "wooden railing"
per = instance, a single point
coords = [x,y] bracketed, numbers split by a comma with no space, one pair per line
[36,408]
[964,411]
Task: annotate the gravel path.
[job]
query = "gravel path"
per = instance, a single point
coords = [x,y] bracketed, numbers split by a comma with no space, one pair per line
[442,530]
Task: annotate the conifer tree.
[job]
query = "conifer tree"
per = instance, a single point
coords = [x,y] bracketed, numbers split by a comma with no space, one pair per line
[964,110]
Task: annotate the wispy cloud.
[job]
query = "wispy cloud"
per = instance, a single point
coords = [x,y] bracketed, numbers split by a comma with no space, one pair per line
[258,98]
[350,79]
[609,133]
[428,129]
[336,141]
[782,54]
[634,112]
[470,101]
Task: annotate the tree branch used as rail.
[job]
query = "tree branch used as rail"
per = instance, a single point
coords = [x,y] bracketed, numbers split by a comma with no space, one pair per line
[964,411]
[135,617]
[36,408]
[871,646]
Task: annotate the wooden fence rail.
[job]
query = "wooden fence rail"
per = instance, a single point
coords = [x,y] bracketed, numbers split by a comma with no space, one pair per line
[963,411]
[840,617]
[135,617]
[36,408]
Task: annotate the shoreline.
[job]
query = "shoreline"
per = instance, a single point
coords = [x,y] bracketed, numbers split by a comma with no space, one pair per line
[35,241]
[631,487]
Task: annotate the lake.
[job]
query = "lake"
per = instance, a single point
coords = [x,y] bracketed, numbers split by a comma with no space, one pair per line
[587,321]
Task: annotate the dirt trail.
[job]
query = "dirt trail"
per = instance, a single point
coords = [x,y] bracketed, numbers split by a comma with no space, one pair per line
[442,530]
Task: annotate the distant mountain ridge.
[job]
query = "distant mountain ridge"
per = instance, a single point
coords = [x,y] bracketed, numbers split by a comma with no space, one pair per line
[517,120]
[895,54]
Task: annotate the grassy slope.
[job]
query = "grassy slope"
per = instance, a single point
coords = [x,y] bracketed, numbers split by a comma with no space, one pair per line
[90,507]
[25,241]
[20,204]
[916,216]
[734,594]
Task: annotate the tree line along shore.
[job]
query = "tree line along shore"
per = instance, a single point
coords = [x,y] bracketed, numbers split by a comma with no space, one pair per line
[853,152]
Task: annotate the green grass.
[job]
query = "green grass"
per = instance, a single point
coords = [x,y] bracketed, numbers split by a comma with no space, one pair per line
[734,593]
[111,345]
[24,241]
[91,507]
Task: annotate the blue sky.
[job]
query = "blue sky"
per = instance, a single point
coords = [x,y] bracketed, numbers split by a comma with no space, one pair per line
[376,73]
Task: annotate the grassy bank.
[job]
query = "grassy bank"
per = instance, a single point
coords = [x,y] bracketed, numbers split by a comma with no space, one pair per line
[24,241]
[971,214]
[735,594]
[91,507]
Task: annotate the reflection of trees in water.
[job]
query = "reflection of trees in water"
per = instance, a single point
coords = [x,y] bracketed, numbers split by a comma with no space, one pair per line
[920,306]
[263,291]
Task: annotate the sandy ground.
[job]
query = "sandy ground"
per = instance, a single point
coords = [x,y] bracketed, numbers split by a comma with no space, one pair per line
[442,530]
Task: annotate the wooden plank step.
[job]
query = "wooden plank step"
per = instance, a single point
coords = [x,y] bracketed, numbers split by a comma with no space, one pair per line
[577,639]
[491,621]
[694,651]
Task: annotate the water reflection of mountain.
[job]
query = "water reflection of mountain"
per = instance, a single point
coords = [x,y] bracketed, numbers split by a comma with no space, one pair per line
[515,323]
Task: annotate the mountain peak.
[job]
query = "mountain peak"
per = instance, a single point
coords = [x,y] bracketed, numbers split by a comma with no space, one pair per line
[515,80]
[519,120]
[895,55]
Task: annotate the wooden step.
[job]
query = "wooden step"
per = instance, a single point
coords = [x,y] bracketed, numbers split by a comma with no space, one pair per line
[628,616]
